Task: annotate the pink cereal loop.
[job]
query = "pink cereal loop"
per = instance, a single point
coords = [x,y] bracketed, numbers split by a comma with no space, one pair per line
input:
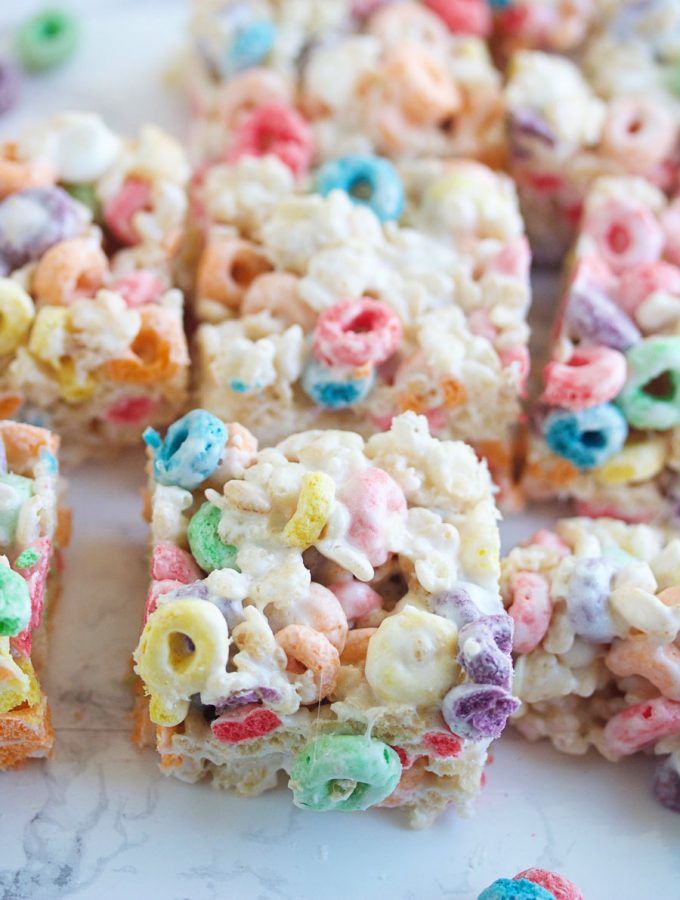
[158,589]
[139,288]
[637,284]
[471,17]
[120,211]
[356,598]
[357,332]
[130,410]
[315,652]
[250,90]
[278,130]
[531,610]
[640,725]
[375,503]
[626,233]
[658,663]
[592,376]
[640,131]
[169,562]
[546,538]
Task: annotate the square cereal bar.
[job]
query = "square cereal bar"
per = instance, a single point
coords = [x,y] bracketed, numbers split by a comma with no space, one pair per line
[34,527]
[329,608]
[399,79]
[565,130]
[596,607]
[321,308]
[91,338]
[607,430]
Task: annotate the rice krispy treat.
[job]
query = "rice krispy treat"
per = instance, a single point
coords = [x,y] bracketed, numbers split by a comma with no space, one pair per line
[563,135]
[606,432]
[91,339]
[401,79]
[320,309]
[34,527]
[596,607]
[329,608]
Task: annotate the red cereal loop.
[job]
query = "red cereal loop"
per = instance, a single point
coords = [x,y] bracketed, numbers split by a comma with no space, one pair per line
[442,744]
[255,724]
[274,129]
[119,211]
[559,886]
[404,758]
[463,16]
[355,332]
[170,563]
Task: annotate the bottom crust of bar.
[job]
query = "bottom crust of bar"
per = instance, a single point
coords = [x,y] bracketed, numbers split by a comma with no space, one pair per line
[428,786]
[25,733]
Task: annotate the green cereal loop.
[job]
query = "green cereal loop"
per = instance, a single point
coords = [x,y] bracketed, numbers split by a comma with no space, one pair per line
[15,603]
[647,405]
[46,40]
[26,559]
[85,194]
[344,772]
[208,549]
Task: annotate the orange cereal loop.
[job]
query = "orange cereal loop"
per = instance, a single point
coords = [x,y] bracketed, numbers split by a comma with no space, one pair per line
[156,354]
[9,405]
[553,473]
[455,393]
[16,175]
[69,270]
[356,646]
[314,652]
[227,268]
[23,443]
[421,85]
[409,402]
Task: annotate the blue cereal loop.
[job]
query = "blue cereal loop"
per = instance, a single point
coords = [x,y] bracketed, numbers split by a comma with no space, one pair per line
[367,180]
[49,461]
[191,451]
[336,388]
[505,889]
[250,45]
[587,438]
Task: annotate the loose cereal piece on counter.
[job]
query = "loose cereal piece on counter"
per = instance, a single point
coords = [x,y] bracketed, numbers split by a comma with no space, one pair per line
[363,291]
[327,607]
[319,80]
[532,884]
[32,535]
[47,40]
[91,334]
[605,433]
[604,670]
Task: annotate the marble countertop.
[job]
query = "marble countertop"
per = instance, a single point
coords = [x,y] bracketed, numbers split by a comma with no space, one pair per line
[99,821]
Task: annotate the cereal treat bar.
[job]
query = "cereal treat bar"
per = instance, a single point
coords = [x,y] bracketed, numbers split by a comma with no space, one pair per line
[342,307]
[596,607]
[91,334]
[401,79]
[33,529]
[607,430]
[563,134]
[327,607]
[532,884]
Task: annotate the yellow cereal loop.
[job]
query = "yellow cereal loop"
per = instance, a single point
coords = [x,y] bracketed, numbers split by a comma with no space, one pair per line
[635,463]
[72,389]
[16,314]
[45,342]
[412,658]
[18,683]
[184,642]
[313,509]
[464,181]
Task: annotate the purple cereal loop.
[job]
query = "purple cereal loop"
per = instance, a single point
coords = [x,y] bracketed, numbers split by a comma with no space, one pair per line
[456,605]
[587,599]
[502,627]
[232,610]
[474,711]
[527,123]
[667,784]
[23,237]
[592,317]
[480,657]
[243,698]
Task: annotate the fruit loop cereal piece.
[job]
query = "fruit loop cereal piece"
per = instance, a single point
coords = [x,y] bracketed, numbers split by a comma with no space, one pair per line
[92,341]
[532,884]
[278,130]
[30,537]
[302,614]
[610,405]
[403,80]
[362,317]
[47,40]
[606,672]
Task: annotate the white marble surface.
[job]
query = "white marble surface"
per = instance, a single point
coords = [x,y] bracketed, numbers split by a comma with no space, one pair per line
[99,821]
